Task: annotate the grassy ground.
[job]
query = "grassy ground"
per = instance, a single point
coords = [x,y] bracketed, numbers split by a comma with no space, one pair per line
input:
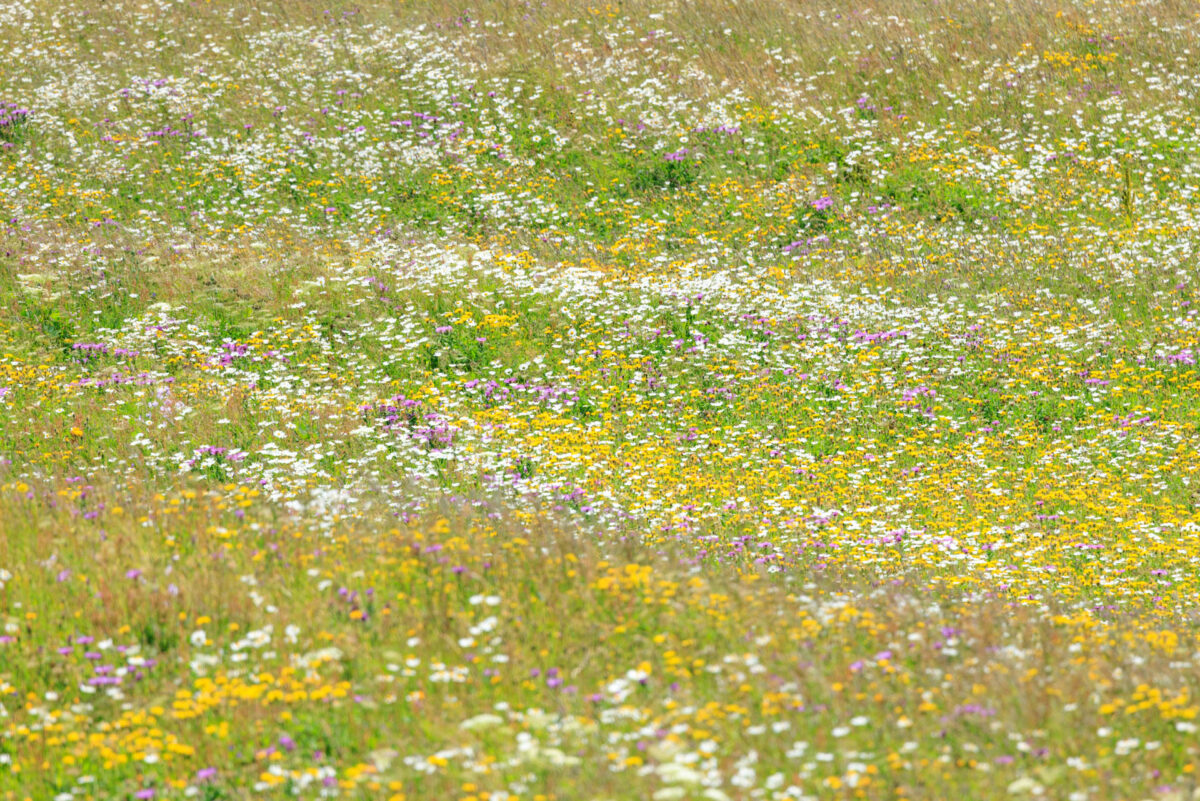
[540,400]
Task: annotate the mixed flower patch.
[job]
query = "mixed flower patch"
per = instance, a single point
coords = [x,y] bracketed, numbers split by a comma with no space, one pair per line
[550,401]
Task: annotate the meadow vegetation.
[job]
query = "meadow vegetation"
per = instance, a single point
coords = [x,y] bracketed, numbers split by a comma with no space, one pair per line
[539,400]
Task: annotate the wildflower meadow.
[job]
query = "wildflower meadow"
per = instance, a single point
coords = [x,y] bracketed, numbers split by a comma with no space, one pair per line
[539,401]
